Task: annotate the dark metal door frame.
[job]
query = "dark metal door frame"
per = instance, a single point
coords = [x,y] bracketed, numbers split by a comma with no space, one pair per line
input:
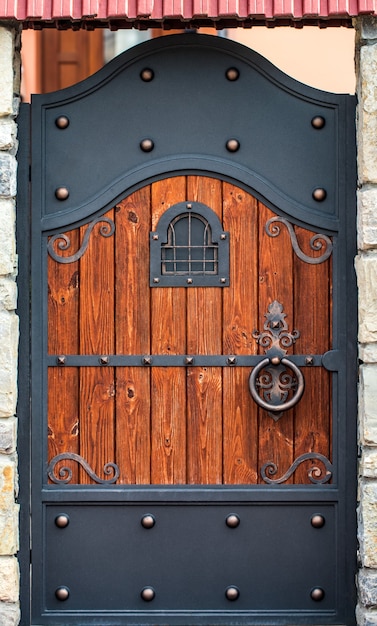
[319,192]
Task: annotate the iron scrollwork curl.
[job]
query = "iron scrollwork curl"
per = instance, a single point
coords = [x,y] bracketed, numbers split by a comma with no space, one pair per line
[316,475]
[64,243]
[65,473]
[317,242]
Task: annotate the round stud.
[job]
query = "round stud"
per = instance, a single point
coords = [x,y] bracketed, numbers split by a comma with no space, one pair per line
[232,520]
[62,122]
[319,194]
[232,145]
[317,594]
[147,145]
[317,521]
[275,360]
[62,520]
[62,193]
[318,122]
[232,74]
[147,75]
[148,521]
[232,593]
[148,593]
[62,593]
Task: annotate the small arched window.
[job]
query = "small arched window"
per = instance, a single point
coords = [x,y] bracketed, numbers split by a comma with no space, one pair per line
[189,248]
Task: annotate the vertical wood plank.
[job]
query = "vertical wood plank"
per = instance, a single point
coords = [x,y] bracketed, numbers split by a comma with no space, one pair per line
[275,283]
[204,384]
[313,319]
[240,313]
[63,334]
[132,329]
[168,318]
[97,389]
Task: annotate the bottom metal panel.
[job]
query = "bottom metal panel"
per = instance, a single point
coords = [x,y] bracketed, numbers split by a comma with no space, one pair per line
[216,559]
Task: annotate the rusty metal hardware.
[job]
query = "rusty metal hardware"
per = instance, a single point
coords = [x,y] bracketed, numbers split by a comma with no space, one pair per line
[232,593]
[148,520]
[317,521]
[62,593]
[147,145]
[316,474]
[147,75]
[232,520]
[317,594]
[62,193]
[232,74]
[148,593]
[62,520]
[65,473]
[276,382]
[106,230]
[317,242]
[232,145]
[62,122]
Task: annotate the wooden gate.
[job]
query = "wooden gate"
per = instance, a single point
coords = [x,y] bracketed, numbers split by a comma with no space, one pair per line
[193,365]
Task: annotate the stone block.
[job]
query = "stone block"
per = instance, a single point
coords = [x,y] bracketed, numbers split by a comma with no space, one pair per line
[367,114]
[366,270]
[366,617]
[367,528]
[9,542]
[367,218]
[367,585]
[368,404]
[368,463]
[8,294]
[8,363]
[8,134]
[368,28]
[9,579]
[6,70]
[8,175]
[8,258]
[10,614]
[368,353]
[8,435]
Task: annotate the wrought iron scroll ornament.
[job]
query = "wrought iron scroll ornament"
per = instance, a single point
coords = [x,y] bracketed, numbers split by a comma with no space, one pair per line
[317,242]
[64,243]
[276,382]
[316,475]
[65,473]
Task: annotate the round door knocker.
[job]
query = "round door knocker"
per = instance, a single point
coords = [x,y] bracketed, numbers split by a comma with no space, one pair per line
[275,389]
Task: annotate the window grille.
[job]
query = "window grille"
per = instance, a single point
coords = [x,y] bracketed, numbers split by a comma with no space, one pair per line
[189,248]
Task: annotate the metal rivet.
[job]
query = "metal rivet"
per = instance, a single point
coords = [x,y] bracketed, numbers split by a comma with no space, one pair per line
[62,193]
[232,593]
[222,280]
[223,236]
[155,237]
[189,206]
[147,145]
[232,73]
[309,360]
[231,360]
[317,594]
[156,280]
[62,122]
[60,360]
[232,145]
[318,122]
[62,593]
[62,520]
[147,75]
[189,360]
[317,521]
[189,281]
[232,520]
[275,360]
[147,360]
[148,521]
[148,593]
[319,194]
[104,360]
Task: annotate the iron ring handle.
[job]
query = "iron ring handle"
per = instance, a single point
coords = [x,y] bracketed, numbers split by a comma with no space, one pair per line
[285,405]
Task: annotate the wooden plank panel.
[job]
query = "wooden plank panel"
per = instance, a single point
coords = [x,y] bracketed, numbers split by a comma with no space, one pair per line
[63,305]
[275,283]
[132,329]
[168,317]
[97,388]
[204,384]
[313,319]
[240,319]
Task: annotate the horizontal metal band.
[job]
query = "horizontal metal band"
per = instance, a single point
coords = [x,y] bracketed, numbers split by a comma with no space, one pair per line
[185,360]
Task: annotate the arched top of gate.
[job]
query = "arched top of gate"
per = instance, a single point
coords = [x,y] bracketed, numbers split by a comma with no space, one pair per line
[191,103]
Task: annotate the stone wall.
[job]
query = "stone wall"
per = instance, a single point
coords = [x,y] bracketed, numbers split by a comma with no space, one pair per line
[9,90]
[366,267]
